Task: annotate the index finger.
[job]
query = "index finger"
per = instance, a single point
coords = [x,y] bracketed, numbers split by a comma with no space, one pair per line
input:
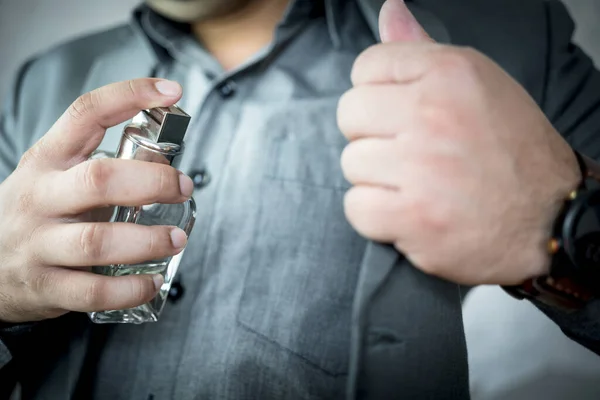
[79,131]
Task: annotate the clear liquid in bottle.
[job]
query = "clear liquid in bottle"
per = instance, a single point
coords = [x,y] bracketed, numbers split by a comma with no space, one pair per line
[154,135]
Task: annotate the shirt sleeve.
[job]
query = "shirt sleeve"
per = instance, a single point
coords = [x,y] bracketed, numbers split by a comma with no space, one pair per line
[572,102]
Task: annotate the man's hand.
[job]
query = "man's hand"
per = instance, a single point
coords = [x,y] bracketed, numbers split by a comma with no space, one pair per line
[451,159]
[47,238]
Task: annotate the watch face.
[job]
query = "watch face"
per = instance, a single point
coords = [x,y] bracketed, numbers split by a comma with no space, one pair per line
[581,234]
[587,250]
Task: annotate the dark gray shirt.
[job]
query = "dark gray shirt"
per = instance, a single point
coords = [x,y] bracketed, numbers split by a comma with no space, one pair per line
[270,271]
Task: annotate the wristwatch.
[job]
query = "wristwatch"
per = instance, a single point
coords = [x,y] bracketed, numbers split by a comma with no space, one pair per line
[574,278]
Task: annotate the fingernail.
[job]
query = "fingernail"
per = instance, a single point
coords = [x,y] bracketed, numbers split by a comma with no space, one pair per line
[186,185]
[178,238]
[158,281]
[168,88]
[398,24]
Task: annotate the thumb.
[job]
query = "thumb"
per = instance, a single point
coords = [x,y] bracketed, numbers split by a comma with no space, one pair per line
[397,24]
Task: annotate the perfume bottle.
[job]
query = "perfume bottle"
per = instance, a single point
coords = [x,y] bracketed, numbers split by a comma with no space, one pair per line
[154,135]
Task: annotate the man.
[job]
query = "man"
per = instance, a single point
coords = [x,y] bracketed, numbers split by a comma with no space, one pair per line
[452,163]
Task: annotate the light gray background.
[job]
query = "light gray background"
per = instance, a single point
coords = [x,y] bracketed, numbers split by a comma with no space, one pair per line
[30,26]
[514,352]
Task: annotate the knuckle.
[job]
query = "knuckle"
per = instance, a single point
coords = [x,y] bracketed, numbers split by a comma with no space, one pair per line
[163,183]
[40,281]
[166,182]
[371,55]
[440,220]
[131,87]
[152,243]
[91,241]
[95,295]
[433,220]
[345,158]
[158,241]
[438,119]
[363,57]
[33,153]
[349,105]
[352,205]
[459,63]
[28,156]
[348,161]
[358,66]
[363,215]
[95,177]
[82,107]
[342,109]
[30,243]
[139,289]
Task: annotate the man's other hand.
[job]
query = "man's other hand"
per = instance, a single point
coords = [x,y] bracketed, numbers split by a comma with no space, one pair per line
[451,160]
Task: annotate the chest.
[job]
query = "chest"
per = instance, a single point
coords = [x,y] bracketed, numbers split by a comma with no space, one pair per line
[272,264]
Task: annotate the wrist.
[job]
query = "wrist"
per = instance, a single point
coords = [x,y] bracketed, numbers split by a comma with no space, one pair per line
[563,185]
[571,276]
[560,190]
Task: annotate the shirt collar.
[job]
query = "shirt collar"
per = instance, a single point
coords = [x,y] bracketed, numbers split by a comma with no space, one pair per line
[161,33]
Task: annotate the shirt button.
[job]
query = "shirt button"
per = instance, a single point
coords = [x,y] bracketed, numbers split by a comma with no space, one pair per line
[175,291]
[227,89]
[201,178]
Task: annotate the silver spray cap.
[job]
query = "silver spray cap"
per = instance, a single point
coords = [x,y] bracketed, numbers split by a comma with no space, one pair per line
[166,124]
[155,135]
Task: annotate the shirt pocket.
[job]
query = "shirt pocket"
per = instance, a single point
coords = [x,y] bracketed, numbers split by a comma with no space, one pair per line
[304,145]
[299,285]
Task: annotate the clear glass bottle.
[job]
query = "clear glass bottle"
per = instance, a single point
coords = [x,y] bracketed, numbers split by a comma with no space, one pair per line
[154,135]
